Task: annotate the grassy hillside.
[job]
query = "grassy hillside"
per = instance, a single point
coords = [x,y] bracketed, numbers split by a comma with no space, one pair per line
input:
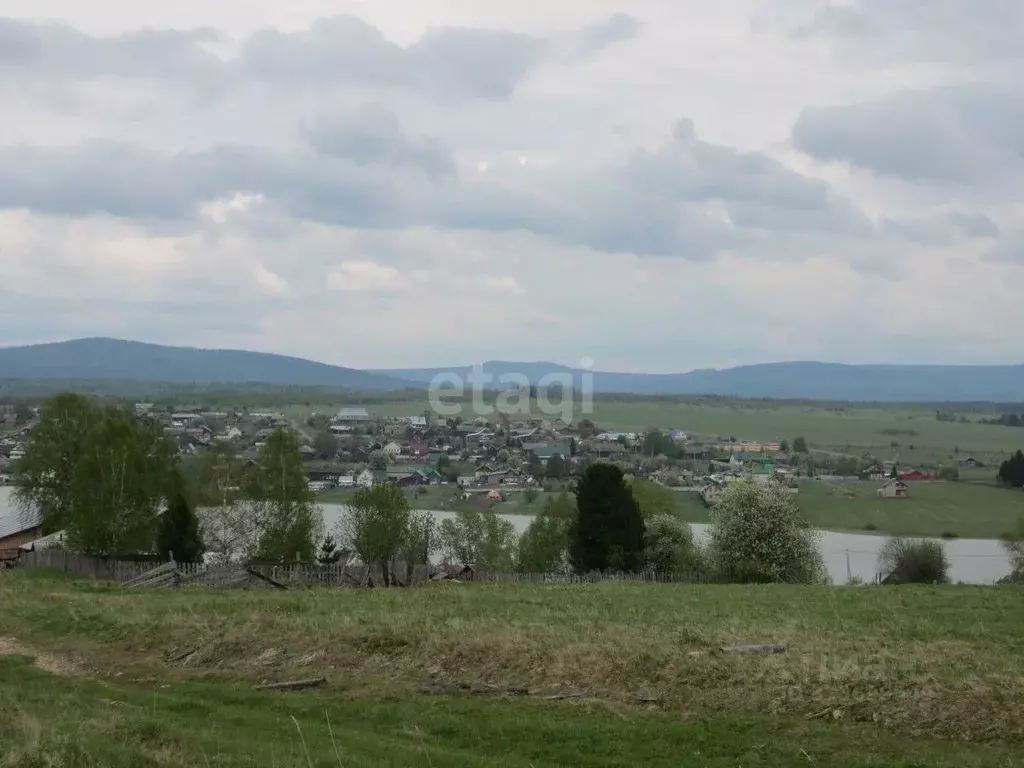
[873,676]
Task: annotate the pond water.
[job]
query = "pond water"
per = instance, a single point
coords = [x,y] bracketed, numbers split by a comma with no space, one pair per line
[973,561]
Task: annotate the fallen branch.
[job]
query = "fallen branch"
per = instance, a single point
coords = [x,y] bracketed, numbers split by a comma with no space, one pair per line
[294,685]
[765,648]
[270,581]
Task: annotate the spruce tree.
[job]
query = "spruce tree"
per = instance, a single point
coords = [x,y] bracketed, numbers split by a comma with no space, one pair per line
[178,534]
[608,532]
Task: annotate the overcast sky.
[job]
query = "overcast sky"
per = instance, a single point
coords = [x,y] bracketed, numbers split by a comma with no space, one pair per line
[656,185]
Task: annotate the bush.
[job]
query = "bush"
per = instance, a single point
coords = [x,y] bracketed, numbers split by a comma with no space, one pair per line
[870,527]
[758,535]
[1013,543]
[950,535]
[952,474]
[913,561]
[669,546]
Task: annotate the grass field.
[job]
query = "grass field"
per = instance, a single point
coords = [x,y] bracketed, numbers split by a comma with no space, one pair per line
[967,510]
[932,509]
[873,676]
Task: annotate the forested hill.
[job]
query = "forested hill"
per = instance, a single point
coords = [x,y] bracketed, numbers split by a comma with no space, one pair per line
[115,360]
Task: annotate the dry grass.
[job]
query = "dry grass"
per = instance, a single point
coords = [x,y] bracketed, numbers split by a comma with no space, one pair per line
[937,661]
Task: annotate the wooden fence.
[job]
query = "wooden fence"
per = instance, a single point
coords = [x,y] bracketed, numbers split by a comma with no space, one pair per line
[340,575]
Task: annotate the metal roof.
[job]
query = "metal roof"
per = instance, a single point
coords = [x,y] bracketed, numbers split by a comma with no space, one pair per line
[16,521]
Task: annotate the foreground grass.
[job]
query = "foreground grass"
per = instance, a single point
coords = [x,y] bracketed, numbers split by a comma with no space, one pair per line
[921,662]
[75,723]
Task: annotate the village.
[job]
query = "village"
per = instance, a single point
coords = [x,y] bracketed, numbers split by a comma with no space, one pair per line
[488,458]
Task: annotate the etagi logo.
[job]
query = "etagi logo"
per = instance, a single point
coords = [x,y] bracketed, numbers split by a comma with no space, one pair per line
[514,393]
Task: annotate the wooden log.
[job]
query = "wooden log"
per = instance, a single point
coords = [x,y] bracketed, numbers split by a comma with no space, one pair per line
[270,581]
[293,685]
[763,648]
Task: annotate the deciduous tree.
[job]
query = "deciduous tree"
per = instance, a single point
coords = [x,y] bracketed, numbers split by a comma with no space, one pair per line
[51,454]
[290,521]
[376,526]
[118,486]
[758,535]
[479,538]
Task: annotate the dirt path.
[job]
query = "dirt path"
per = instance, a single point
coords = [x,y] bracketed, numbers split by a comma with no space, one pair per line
[55,665]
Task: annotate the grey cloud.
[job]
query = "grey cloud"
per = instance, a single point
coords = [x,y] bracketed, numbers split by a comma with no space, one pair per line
[48,50]
[448,63]
[616,29]
[962,135]
[372,135]
[925,30]
[654,203]
[974,224]
[1010,248]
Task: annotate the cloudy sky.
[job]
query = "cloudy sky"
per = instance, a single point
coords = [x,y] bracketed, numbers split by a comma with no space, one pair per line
[656,185]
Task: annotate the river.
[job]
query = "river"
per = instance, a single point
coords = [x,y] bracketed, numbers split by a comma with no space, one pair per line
[972,561]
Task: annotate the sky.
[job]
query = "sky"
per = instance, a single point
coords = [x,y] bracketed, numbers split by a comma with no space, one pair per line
[655,185]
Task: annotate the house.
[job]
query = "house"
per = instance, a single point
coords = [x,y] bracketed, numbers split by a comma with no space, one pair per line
[143,409]
[406,479]
[762,470]
[678,436]
[417,451]
[752,447]
[875,472]
[352,416]
[698,453]
[417,422]
[493,496]
[608,450]
[392,449]
[894,489]
[916,476]
[17,528]
[968,463]
[346,481]
[364,479]
[545,452]
[711,493]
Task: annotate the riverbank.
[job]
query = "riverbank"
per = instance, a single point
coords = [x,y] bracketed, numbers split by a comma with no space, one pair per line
[872,676]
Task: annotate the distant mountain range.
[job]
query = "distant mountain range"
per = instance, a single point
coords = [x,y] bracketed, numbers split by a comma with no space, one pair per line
[803,380]
[115,360]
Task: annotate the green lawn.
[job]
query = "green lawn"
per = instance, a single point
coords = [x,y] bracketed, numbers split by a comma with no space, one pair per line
[873,676]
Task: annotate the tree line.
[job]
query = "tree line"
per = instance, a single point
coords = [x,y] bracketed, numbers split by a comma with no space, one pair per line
[112,481]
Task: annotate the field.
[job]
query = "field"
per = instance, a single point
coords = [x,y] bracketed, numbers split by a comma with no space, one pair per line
[461,674]
[966,510]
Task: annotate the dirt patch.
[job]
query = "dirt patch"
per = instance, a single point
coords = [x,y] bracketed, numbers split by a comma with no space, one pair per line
[55,665]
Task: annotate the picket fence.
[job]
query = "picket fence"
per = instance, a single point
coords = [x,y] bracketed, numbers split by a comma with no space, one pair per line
[340,575]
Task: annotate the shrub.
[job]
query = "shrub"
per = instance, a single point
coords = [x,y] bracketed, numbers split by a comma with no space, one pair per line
[913,561]
[870,527]
[758,535]
[669,546]
[952,474]
[1013,543]
[950,535]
